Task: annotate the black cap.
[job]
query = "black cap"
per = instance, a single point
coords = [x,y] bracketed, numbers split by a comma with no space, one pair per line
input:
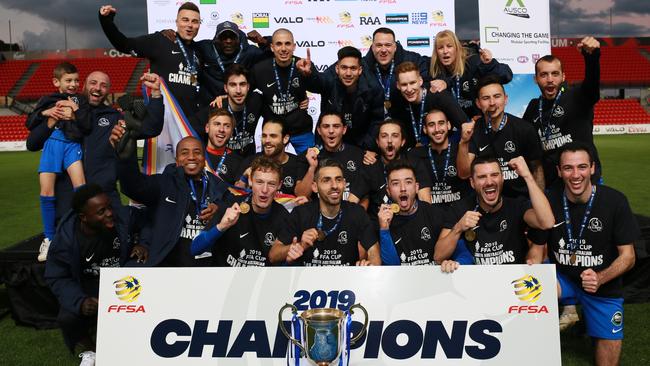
[227,27]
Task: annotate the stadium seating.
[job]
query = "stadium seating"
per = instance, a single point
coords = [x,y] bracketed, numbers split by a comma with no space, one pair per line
[12,128]
[120,69]
[619,65]
[11,71]
[620,111]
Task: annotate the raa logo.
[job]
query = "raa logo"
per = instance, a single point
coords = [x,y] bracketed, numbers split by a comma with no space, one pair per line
[127,289]
[519,10]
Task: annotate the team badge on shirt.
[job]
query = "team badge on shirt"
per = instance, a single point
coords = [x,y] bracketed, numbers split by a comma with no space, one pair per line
[343,237]
[510,147]
[595,225]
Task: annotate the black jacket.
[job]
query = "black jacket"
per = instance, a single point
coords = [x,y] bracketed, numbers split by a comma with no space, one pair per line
[74,130]
[63,266]
[167,195]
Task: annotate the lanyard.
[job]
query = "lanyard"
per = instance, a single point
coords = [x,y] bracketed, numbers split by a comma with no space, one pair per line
[417,126]
[202,204]
[547,126]
[433,163]
[456,89]
[221,65]
[190,63]
[223,158]
[319,225]
[389,79]
[567,219]
[243,119]
[277,78]
[488,125]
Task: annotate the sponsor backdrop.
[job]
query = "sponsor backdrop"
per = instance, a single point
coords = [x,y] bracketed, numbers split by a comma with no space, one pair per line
[487,315]
[518,34]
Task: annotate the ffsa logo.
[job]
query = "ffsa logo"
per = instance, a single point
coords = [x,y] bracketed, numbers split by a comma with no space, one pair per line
[528,289]
[127,289]
[518,10]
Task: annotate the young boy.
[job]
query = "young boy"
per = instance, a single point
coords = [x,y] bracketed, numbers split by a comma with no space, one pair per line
[67,113]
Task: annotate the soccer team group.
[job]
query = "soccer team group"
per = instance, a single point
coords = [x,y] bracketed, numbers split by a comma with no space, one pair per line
[413,161]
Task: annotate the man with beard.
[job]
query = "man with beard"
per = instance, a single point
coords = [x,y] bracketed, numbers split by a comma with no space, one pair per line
[413,101]
[181,199]
[409,228]
[283,88]
[332,130]
[561,114]
[492,225]
[244,105]
[332,232]
[91,236]
[591,247]
[175,62]
[384,56]
[242,235]
[228,47]
[501,135]
[296,180]
[390,141]
[440,157]
[223,161]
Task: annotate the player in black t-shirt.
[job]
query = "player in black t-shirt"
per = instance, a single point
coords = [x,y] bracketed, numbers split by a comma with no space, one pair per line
[224,162]
[567,114]
[592,247]
[413,101]
[175,62]
[501,135]
[440,159]
[331,129]
[245,106]
[284,84]
[492,225]
[295,180]
[330,231]
[243,233]
[373,190]
[409,228]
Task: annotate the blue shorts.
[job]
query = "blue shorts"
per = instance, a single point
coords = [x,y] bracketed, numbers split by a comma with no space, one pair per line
[58,154]
[603,315]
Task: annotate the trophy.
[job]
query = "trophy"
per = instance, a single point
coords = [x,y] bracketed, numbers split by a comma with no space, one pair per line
[323,333]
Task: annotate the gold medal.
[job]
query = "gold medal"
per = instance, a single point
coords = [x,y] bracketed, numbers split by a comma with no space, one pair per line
[193,79]
[321,235]
[387,104]
[244,208]
[394,208]
[470,235]
[317,150]
[572,259]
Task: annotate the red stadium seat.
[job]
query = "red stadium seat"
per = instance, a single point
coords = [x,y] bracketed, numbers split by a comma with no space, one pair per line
[620,111]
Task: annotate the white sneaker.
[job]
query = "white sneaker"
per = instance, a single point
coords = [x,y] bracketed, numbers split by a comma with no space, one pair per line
[42,250]
[567,320]
[87,358]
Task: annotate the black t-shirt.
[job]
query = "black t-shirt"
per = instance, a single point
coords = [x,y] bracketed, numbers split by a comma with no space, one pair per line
[192,226]
[243,137]
[444,101]
[611,223]
[351,158]
[229,169]
[415,235]
[278,102]
[517,138]
[446,187]
[374,184]
[101,250]
[500,237]
[292,171]
[572,119]
[247,243]
[340,247]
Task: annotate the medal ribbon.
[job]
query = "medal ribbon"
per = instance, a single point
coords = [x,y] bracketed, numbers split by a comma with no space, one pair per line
[221,66]
[389,79]
[573,244]
[456,89]
[417,126]
[319,225]
[433,164]
[237,123]
[488,125]
[277,78]
[547,126]
[202,204]
[189,62]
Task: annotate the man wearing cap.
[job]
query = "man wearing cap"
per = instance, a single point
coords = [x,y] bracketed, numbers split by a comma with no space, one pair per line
[229,46]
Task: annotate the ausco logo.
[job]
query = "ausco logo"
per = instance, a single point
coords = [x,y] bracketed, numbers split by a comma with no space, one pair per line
[418,42]
[459,340]
[401,18]
[519,10]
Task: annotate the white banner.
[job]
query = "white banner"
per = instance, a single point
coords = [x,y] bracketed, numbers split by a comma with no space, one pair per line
[487,315]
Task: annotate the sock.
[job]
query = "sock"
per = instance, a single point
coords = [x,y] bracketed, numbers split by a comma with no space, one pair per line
[77,187]
[48,215]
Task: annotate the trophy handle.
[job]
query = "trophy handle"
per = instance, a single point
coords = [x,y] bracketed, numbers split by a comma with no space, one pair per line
[294,311]
[365,323]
